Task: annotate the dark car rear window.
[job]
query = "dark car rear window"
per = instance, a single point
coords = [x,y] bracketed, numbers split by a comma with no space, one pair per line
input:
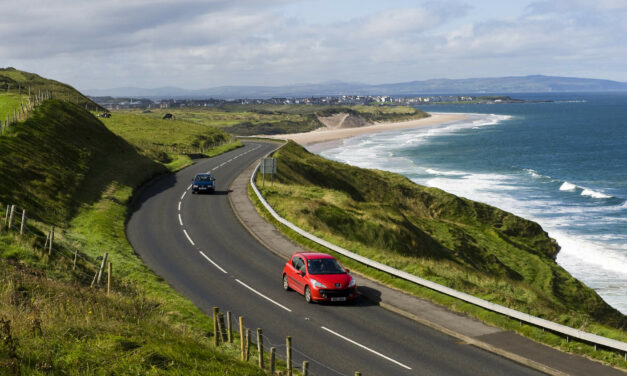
[203,178]
[324,266]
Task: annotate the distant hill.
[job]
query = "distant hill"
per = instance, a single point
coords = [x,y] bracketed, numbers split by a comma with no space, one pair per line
[500,85]
[14,80]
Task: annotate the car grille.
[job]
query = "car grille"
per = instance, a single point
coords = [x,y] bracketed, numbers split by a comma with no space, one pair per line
[336,293]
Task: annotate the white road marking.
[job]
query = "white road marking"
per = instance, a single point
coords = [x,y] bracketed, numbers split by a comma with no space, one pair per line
[180,220]
[179,206]
[263,296]
[214,264]
[183,195]
[188,238]
[365,348]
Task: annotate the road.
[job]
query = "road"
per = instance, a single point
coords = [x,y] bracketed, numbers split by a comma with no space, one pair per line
[198,246]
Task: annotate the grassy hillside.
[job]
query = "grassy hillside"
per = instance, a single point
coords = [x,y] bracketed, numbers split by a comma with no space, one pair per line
[169,141]
[66,168]
[248,120]
[457,242]
[16,81]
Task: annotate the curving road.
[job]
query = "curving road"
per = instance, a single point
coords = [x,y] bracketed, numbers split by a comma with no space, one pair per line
[198,246]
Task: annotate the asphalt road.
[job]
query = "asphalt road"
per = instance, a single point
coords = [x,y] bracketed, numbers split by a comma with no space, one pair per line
[198,246]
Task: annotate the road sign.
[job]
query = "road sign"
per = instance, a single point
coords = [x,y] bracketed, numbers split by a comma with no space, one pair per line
[268,166]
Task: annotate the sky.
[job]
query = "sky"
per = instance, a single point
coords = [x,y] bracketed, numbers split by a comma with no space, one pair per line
[198,44]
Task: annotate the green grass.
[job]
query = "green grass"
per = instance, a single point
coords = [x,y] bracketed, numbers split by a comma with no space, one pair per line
[462,244]
[9,102]
[248,120]
[68,169]
[21,81]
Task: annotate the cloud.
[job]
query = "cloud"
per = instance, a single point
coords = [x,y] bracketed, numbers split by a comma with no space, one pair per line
[205,43]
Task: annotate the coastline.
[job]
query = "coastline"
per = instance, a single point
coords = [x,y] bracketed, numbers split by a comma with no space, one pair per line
[321,139]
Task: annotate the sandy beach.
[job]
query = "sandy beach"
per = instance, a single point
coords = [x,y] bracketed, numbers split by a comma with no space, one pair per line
[329,137]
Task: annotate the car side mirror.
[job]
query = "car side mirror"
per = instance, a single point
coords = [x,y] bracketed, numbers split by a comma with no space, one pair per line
[348,271]
[302,273]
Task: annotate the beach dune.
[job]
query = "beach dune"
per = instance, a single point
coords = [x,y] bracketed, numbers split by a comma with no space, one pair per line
[330,133]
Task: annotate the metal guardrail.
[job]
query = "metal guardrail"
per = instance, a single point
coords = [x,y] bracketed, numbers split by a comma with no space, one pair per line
[539,322]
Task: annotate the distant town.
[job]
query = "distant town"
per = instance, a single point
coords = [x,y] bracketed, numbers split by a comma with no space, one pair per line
[112,103]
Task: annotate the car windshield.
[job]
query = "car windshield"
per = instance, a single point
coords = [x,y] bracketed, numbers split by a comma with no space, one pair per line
[203,178]
[324,266]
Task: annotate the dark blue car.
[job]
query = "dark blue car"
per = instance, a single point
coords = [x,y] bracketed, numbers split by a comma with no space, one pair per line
[204,183]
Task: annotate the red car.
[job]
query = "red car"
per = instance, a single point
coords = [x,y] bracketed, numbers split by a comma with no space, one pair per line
[320,277]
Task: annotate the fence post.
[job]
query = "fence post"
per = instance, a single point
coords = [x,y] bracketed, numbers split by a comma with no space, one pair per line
[52,240]
[23,223]
[74,262]
[241,337]
[47,240]
[248,338]
[305,368]
[216,340]
[229,328]
[222,327]
[288,355]
[109,269]
[6,216]
[11,216]
[102,265]
[272,360]
[260,347]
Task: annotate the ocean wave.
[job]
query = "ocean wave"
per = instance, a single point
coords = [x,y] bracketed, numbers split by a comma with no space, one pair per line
[566,186]
[594,194]
[433,171]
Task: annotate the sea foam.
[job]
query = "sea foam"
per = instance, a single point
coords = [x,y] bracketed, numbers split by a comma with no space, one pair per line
[594,194]
[568,187]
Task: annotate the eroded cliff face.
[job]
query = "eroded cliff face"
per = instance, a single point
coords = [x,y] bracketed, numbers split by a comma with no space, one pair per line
[343,120]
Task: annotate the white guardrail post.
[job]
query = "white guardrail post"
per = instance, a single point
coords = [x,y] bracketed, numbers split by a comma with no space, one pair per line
[539,322]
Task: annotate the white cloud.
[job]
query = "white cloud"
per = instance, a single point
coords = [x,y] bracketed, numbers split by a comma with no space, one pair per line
[220,42]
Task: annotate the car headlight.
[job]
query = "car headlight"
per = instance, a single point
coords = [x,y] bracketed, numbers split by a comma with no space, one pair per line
[318,284]
[352,282]
[195,185]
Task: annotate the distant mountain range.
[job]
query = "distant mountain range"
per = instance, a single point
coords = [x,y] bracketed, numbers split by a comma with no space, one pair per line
[498,85]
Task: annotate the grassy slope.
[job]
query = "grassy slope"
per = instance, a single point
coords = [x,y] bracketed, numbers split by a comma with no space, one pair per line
[9,102]
[25,80]
[67,168]
[247,120]
[463,244]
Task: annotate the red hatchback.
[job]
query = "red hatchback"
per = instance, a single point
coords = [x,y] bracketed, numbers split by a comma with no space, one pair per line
[320,277]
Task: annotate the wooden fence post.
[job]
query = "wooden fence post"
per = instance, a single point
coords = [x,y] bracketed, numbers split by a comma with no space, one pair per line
[23,223]
[102,265]
[241,337]
[6,216]
[248,338]
[260,347]
[288,355]
[47,240]
[229,328]
[272,360]
[222,327]
[109,269]
[51,242]
[305,368]
[216,340]
[75,256]
[11,216]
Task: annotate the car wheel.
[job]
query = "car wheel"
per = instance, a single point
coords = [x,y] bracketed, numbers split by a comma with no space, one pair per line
[286,286]
[308,295]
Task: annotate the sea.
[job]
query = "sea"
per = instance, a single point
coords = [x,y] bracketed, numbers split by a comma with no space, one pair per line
[557,159]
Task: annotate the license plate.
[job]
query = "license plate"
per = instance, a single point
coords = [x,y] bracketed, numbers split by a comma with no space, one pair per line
[340,299]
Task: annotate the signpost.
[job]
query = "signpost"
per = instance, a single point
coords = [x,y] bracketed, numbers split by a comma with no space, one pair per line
[268,166]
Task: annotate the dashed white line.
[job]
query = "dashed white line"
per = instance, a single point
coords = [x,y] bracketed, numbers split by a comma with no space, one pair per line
[179,206]
[188,238]
[214,264]
[180,220]
[365,348]
[183,195]
[263,296]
